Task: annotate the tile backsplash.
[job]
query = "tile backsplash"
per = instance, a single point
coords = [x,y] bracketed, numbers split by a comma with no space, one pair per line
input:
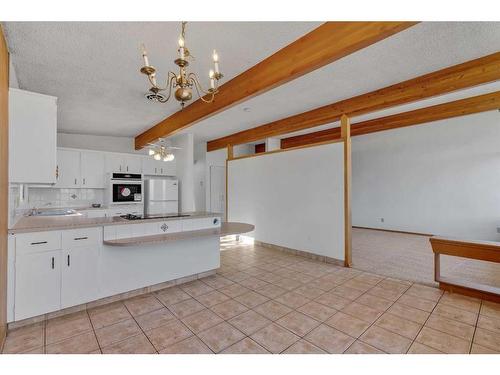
[52,197]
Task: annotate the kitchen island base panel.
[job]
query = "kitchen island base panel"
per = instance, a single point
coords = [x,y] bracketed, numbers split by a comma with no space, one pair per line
[133,267]
[109,300]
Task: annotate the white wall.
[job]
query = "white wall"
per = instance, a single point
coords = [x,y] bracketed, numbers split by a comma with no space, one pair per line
[218,158]
[295,198]
[185,171]
[98,142]
[441,178]
[199,176]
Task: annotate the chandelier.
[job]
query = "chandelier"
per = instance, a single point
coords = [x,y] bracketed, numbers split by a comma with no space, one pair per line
[183,82]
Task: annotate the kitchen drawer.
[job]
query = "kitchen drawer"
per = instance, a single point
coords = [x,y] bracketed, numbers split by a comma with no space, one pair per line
[200,223]
[81,237]
[36,242]
[169,226]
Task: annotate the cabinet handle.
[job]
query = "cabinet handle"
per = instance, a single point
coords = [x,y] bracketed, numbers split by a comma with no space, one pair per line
[155,170]
[120,168]
[57,172]
[75,181]
[53,262]
[127,168]
[162,171]
[80,238]
[68,260]
[39,243]
[84,181]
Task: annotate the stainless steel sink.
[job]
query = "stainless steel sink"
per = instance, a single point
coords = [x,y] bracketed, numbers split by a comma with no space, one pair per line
[56,212]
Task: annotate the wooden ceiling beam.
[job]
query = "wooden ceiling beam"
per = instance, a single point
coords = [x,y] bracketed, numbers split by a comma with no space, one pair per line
[476,104]
[325,44]
[472,73]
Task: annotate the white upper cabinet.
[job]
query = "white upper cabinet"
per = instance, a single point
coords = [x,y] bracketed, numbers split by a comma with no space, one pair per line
[68,169]
[92,168]
[123,163]
[32,137]
[158,168]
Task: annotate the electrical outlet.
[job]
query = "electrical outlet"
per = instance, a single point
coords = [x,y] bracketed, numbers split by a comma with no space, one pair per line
[498,229]
[381,219]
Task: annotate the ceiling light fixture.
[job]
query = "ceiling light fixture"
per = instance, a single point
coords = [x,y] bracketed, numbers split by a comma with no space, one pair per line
[159,151]
[184,81]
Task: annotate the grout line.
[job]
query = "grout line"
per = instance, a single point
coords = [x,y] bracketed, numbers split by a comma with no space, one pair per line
[93,330]
[136,322]
[185,325]
[423,325]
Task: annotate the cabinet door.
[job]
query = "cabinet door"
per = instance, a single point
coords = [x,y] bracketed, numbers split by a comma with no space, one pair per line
[32,137]
[149,166]
[92,169]
[114,163]
[79,281]
[38,284]
[68,169]
[168,168]
[132,164]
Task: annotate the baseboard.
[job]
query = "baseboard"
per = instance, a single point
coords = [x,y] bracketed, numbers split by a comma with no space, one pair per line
[108,300]
[395,231]
[301,253]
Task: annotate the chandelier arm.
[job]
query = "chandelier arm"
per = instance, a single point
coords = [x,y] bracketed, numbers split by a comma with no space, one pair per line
[170,86]
[192,77]
[168,81]
[202,96]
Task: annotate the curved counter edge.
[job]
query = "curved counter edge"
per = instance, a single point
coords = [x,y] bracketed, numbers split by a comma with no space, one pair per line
[226,229]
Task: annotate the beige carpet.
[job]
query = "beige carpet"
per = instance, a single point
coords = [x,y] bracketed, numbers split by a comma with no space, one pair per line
[410,257]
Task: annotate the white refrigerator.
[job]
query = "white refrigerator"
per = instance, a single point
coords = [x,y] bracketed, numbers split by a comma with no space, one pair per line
[161,196]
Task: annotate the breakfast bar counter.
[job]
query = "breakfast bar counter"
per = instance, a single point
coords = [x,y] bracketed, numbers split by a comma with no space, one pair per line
[225,229]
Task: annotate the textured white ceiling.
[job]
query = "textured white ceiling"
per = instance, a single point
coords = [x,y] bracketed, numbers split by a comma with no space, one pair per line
[421,49]
[93,67]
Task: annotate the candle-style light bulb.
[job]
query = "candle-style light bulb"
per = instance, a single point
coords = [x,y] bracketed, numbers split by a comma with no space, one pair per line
[153,79]
[182,54]
[211,74]
[145,55]
[215,57]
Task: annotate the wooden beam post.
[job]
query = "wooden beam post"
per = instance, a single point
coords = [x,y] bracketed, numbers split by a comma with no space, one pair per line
[345,130]
[230,156]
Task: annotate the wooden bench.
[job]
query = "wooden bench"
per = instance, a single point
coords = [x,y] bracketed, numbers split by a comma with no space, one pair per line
[480,250]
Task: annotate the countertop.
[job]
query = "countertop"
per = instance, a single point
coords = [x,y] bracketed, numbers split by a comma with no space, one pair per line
[225,229]
[27,224]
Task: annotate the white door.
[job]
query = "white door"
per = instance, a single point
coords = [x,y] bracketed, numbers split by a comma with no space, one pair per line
[163,190]
[113,163]
[79,280]
[32,137]
[167,168]
[92,165]
[68,169]
[149,166]
[132,164]
[38,284]
[218,189]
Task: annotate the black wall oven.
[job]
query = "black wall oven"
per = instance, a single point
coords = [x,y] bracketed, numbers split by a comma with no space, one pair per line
[126,188]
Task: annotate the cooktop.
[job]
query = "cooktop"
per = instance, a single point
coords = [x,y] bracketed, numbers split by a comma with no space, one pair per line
[145,217]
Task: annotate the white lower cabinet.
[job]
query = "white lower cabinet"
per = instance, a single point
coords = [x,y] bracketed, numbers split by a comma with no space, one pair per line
[56,270]
[38,283]
[79,277]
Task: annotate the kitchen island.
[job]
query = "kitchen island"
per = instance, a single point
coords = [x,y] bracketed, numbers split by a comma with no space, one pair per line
[58,263]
